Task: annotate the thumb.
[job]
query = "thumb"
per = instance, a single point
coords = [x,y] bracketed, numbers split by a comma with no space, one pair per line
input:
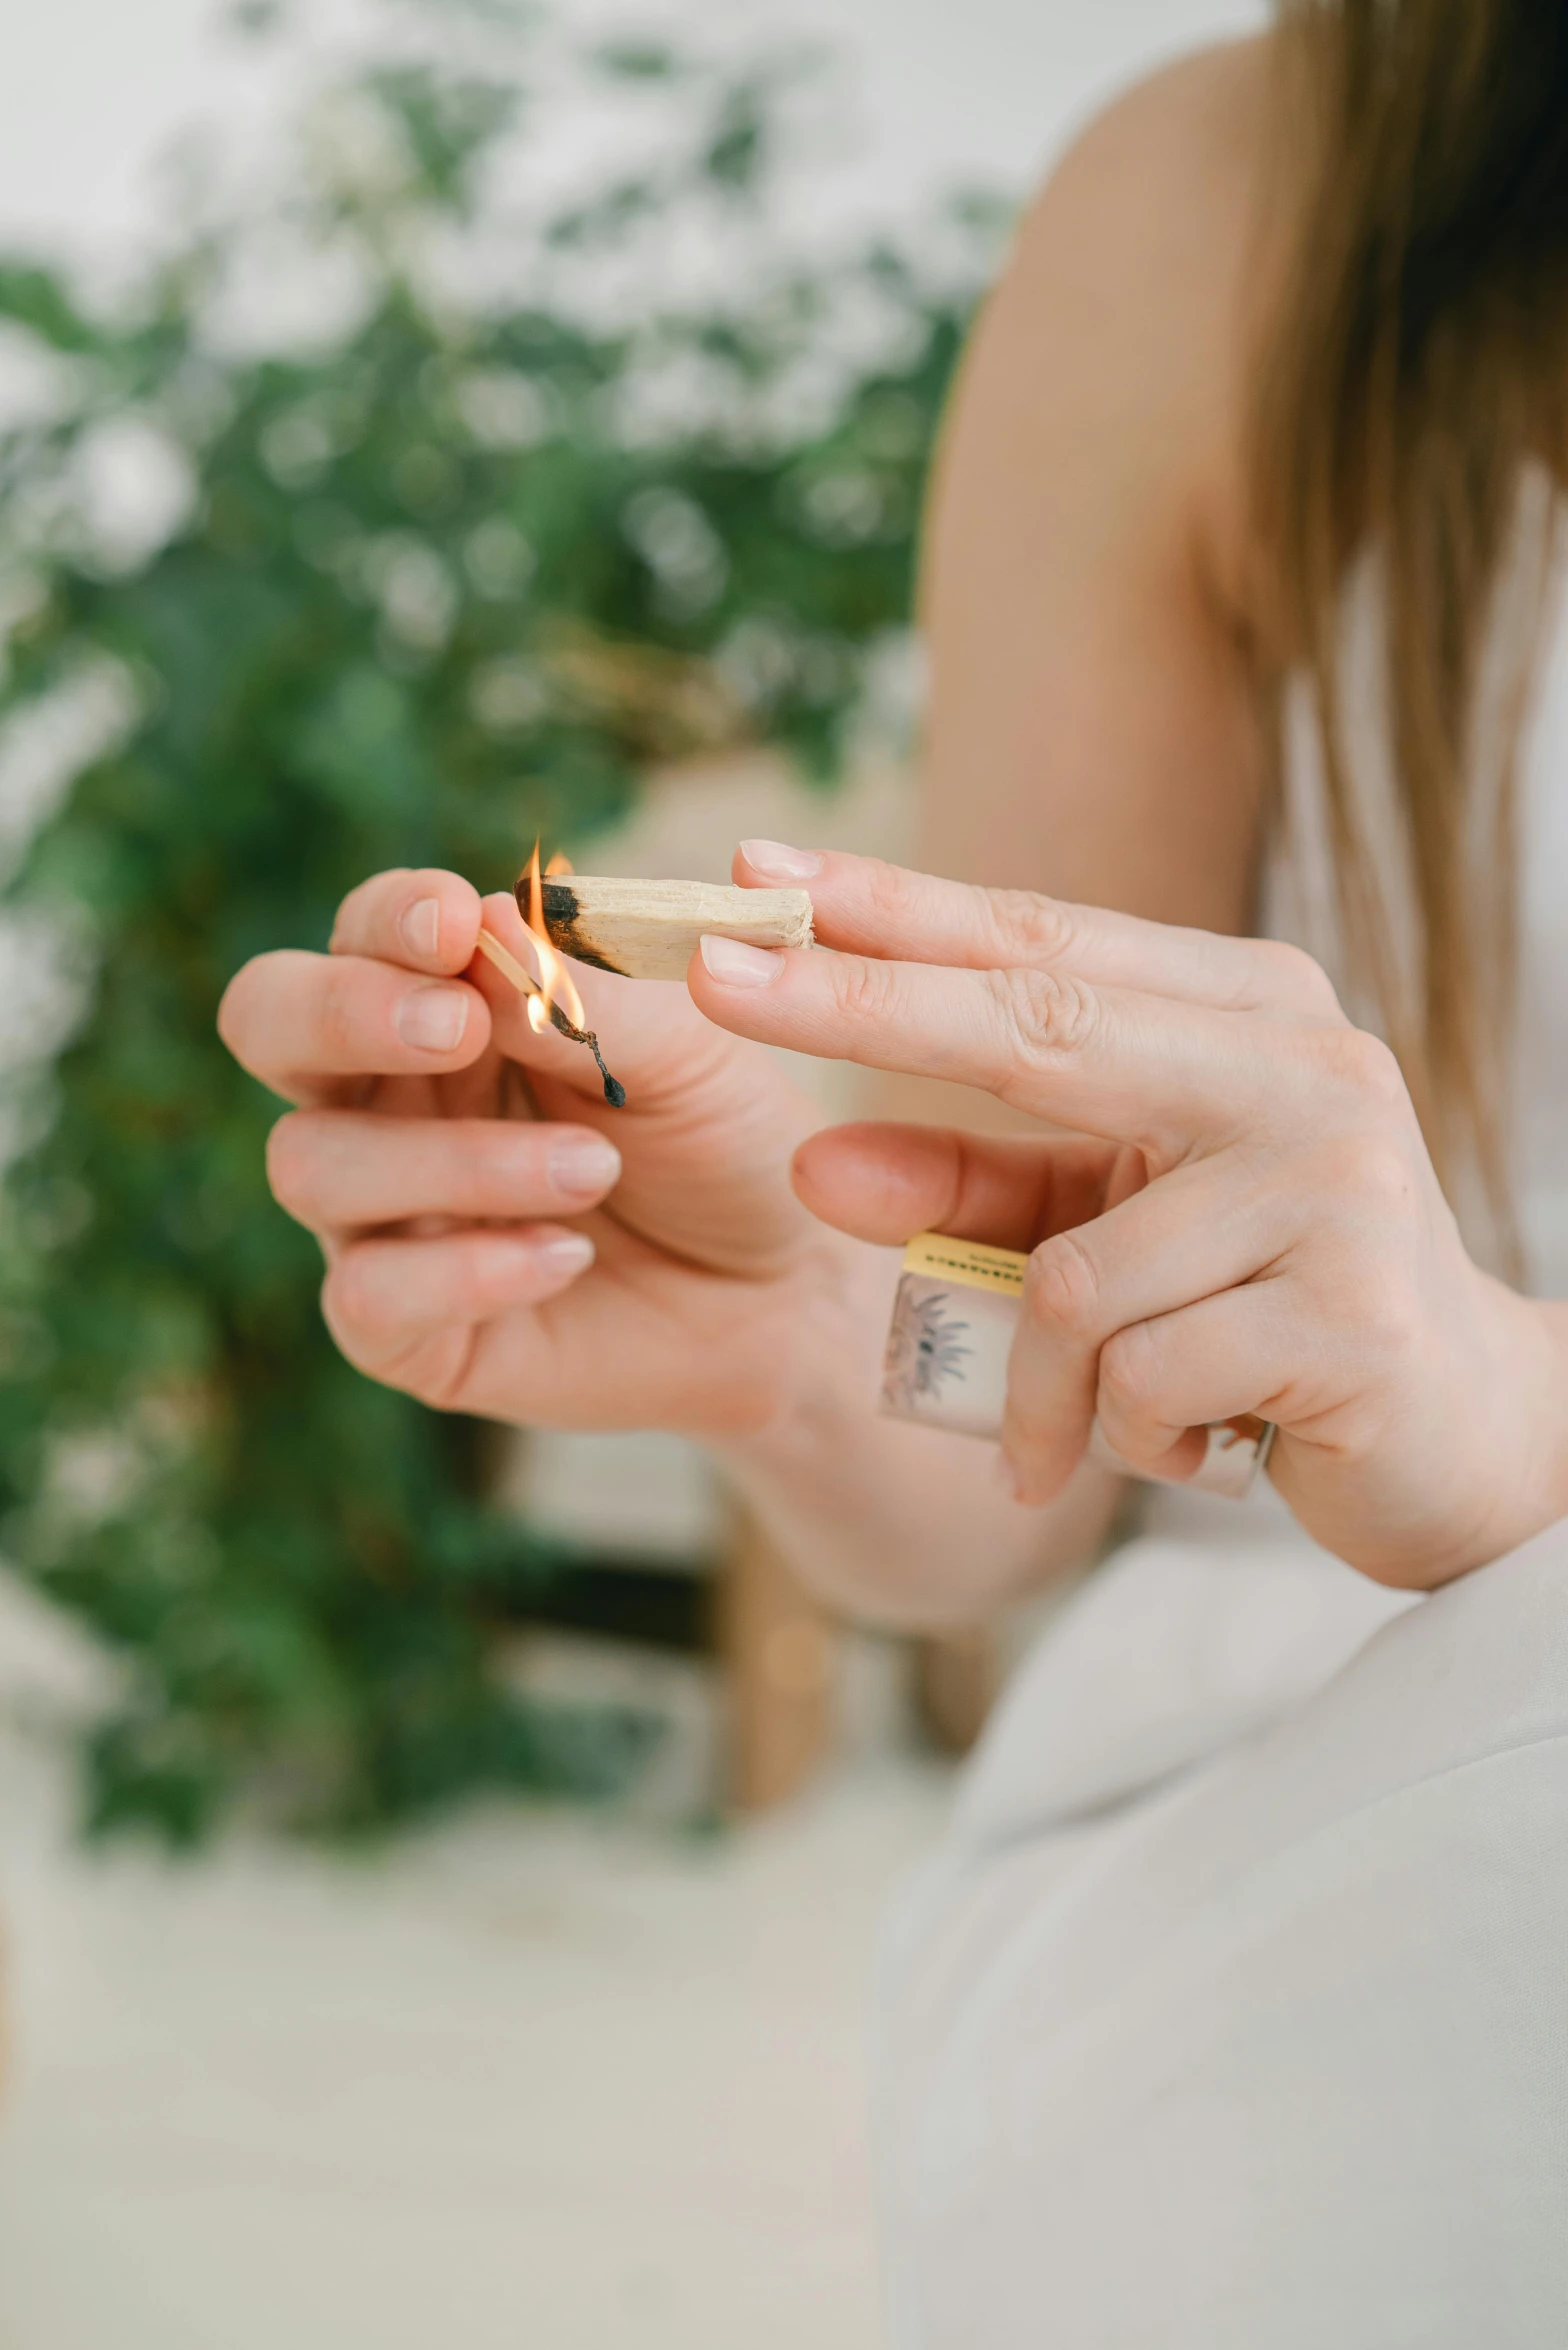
[884,1183]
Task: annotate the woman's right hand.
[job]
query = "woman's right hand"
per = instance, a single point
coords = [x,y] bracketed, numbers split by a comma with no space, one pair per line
[498,1240]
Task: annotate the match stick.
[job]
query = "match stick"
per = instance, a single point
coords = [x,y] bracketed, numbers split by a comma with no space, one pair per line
[525,983]
[650,929]
[507,964]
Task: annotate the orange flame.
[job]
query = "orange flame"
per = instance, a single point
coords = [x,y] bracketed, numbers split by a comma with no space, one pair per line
[555,981]
[559,864]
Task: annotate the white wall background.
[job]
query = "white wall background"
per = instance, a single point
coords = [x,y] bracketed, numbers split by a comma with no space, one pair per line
[92,90]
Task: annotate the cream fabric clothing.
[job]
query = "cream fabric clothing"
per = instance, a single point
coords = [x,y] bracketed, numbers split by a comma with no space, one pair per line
[1234,2013]
[1266,2047]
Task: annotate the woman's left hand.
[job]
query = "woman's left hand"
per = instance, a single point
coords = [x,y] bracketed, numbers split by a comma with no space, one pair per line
[1240,1216]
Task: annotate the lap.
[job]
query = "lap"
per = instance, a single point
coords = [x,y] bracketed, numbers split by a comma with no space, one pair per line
[1266,2045]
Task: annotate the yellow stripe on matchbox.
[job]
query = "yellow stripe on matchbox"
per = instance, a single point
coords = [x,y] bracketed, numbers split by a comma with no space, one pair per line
[967,1262]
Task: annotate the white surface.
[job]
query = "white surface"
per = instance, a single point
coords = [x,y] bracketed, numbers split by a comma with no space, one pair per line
[539,2081]
[94,88]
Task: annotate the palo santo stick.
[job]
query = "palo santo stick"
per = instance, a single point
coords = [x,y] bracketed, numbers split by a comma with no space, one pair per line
[526,985]
[650,929]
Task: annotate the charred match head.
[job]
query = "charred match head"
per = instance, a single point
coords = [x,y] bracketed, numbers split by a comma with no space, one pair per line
[614,1090]
[554,998]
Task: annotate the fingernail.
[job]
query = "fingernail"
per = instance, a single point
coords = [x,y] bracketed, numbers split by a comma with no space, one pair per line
[777,858]
[583,1165]
[563,1253]
[734,964]
[433,1018]
[420,928]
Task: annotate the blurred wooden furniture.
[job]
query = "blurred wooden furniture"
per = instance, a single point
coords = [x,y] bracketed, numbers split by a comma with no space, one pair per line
[777,1652]
[955,1682]
[776,1648]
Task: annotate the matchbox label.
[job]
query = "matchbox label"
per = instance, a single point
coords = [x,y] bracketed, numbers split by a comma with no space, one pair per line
[967,1262]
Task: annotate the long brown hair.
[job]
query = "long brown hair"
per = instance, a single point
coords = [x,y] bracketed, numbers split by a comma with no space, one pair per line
[1416,363]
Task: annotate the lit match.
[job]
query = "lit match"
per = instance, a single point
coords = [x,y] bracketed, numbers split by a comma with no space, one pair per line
[551,998]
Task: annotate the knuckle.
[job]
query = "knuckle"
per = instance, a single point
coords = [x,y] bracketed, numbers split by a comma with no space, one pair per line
[1364,1067]
[1385,1178]
[1045,1016]
[291,1161]
[1063,1287]
[865,990]
[363,1307]
[1365,1308]
[893,891]
[353,1304]
[1132,1371]
[236,1009]
[437,1369]
[1027,927]
[1297,977]
[271,1006]
[1360,1429]
[433,1367]
[363,897]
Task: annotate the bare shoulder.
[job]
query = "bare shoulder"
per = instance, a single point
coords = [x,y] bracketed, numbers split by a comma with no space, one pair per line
[1175,154]
[1121,324]
[1094,727]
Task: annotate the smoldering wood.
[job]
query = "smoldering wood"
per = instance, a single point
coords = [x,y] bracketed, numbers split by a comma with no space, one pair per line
[650,929]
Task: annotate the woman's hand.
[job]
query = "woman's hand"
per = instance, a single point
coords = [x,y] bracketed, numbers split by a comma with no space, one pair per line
[497,1240]
[1248,1220]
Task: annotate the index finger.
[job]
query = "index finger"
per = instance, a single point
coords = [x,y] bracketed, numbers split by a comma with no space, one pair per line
[867,907]
[1128,1068]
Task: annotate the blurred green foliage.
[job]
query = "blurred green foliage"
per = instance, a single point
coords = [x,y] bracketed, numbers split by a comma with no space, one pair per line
[453,574]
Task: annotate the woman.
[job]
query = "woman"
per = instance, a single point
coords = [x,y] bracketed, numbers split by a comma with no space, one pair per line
[1231,2014]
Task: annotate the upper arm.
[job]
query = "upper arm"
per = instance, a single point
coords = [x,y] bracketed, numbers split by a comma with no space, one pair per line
[1095,728]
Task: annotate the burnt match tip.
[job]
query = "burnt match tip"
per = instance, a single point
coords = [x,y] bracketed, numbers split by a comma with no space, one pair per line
[614,1090]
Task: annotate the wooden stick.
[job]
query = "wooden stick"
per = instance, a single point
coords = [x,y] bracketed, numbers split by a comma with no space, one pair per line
[507,964]
[650,929]
[510,968]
